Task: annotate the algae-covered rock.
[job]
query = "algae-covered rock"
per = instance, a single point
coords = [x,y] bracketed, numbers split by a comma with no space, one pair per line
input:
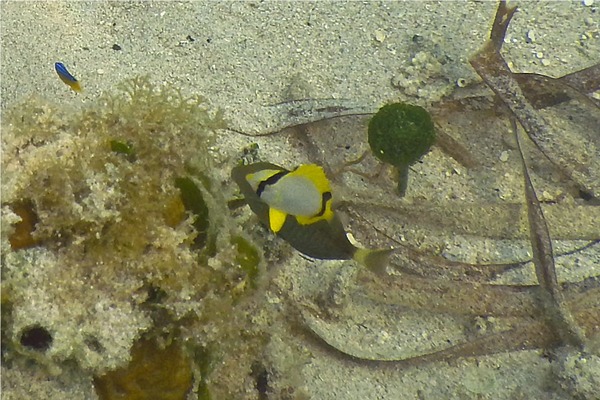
[94,221]
[85,322]
[154,372]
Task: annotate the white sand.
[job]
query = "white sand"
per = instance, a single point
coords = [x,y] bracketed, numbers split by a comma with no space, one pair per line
[244,55]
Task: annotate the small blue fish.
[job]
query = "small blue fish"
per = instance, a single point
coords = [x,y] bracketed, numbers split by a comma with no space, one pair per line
[66,77]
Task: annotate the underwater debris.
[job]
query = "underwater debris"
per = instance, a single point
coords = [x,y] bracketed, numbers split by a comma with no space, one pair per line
[494,71]
[293,113]
[543,260]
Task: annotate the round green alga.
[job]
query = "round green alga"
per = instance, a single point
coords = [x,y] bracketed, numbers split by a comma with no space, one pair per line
[399,133]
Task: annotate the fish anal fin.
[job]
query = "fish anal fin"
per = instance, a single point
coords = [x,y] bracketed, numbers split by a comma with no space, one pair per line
[307,220]
[276,219]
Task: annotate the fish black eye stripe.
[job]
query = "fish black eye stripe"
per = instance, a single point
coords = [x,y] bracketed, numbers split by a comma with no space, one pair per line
[273,179]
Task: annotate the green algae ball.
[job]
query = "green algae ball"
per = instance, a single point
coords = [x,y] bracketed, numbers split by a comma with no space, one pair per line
[399,134]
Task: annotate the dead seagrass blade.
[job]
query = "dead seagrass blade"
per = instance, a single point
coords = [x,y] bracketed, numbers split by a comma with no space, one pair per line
[576,155]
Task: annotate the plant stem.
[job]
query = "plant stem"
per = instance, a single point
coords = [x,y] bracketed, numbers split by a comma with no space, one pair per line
[402,179]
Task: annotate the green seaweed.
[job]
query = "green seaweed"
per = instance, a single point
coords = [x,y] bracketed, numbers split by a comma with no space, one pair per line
[126,149]
[193,200]
[400,134]
[203,358]
[247,258]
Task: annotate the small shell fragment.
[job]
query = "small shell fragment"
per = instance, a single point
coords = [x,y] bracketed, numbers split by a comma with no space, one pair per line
[379,35]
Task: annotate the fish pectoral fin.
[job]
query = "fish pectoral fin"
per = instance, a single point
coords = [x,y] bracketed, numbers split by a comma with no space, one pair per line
[276,219]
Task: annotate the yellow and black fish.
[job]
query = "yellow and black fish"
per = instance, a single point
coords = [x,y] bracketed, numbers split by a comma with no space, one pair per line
[296,205]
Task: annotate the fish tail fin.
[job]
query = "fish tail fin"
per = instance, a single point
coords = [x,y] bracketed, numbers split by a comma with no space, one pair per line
[375,260]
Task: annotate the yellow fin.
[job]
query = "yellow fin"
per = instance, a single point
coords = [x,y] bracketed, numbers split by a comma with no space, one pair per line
[315,174]
[276,219]
[76,86]
[375,260]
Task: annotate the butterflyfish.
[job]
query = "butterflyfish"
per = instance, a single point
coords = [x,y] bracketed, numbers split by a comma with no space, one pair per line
[66,76]
[297,206]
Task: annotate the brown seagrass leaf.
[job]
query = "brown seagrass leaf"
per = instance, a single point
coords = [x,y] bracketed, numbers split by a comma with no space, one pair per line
[581,163]
[430,330]
[543,91]
[493,69]
[543,260]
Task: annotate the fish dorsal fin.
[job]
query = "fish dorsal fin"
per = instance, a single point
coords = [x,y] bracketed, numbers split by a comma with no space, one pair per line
[315,174]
